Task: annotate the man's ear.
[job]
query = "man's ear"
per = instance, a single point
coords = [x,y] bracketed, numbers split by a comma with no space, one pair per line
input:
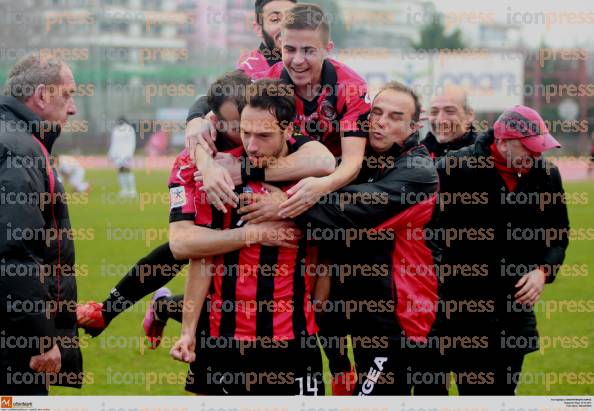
[330,46]
[501,145]
[40,96]
[289,131]
[470,117]
[257,29]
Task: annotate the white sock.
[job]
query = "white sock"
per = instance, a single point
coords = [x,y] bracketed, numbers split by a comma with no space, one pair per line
[123,181]
[131,182]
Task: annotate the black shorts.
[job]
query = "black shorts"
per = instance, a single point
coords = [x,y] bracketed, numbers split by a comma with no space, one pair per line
[226,366]
[396,367]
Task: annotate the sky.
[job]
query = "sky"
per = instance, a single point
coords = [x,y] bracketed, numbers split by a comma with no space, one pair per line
[560,32]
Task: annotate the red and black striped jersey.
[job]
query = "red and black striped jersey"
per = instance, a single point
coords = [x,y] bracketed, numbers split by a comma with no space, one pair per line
[342,105]
[257,291]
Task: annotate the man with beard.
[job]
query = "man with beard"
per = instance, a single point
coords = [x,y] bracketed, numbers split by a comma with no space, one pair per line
[332,106]
[262,327]
[227,98]
[269,16]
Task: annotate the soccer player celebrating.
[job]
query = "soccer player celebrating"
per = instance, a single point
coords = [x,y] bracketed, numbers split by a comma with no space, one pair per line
[227,98]
[269,16]
[260,296]
[332,104]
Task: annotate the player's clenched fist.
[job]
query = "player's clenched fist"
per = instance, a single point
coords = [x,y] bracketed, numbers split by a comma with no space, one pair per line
[50,361]
[184,349]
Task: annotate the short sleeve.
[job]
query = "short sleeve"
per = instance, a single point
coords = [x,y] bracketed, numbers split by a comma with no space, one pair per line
[356,109]
[182,189]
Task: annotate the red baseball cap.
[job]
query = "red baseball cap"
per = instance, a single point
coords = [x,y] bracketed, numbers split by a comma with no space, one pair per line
[526,125]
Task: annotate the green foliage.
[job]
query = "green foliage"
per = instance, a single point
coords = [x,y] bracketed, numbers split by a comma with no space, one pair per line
[433,36]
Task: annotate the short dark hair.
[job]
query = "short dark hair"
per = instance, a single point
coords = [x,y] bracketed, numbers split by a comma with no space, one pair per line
[272,95]
[259,6]
[229,87]
[306,16]
[397,86]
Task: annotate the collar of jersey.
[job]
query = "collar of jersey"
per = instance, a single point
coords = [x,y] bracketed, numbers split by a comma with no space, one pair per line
[329,75]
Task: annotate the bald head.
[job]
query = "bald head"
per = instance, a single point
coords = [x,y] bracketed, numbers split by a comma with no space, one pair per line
[449,114]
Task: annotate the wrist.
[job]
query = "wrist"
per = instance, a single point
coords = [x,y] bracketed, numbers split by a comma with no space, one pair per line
[251,173]
[187,332]
[325,185]
[252,235]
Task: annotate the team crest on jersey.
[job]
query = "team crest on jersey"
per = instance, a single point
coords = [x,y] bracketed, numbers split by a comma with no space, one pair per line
[327,111]
[177,197]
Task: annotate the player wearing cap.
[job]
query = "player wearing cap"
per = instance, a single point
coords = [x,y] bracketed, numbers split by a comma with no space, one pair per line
[260,295]
[509,236]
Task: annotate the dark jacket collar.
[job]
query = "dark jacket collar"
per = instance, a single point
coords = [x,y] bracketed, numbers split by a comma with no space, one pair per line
[440,149]
[34,123]
[483,143]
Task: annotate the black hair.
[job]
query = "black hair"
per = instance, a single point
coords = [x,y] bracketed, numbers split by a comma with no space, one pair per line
[259,6]
[276,97]
[229,87]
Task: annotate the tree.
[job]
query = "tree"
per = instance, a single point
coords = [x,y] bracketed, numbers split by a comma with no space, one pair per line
[433,36]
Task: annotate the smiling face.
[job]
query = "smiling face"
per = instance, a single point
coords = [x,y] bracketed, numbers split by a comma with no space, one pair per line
[271,22]
[448,116]
[262,137]
[304,52]
[391,120]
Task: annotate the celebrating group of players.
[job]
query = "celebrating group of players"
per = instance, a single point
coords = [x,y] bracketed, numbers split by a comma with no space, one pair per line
[308,212]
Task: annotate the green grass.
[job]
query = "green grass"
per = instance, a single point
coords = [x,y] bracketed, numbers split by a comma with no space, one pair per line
[117,364]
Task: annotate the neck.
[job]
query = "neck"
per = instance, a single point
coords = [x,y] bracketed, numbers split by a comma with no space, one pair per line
[309,91]
[284,151]
[32,107]
[441,140]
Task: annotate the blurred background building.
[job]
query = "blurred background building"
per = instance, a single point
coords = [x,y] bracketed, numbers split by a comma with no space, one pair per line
[149,59]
